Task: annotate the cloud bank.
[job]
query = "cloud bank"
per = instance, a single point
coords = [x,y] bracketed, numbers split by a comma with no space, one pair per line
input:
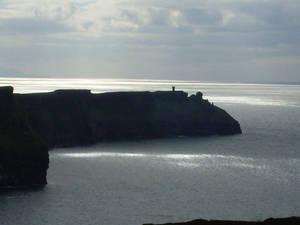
[220,40]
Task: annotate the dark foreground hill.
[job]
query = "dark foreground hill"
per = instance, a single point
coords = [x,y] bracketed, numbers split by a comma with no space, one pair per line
[270,221]
[78,117]
[23,156]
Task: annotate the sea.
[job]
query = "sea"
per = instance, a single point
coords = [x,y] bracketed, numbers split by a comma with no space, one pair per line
[251,176]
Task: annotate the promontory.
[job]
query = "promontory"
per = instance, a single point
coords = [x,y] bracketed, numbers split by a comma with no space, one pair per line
[79,117]
[30,124]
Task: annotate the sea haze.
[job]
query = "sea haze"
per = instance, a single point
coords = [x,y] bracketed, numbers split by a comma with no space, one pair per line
[249,177]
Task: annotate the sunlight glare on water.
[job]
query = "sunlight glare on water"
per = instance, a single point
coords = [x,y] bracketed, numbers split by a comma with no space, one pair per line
[251,101]
[184,160]
[100,154]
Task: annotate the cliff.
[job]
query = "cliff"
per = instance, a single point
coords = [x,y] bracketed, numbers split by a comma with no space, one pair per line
[270,221]
[23,156]
[78,117]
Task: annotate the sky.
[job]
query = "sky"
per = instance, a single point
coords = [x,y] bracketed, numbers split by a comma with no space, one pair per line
[204,40]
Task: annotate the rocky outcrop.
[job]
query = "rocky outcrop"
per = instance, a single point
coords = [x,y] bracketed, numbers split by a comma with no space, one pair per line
[78,117]
[270,221]
[23,156]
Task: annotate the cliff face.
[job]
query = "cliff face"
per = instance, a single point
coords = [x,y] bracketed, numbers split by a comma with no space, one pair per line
[23,156]
[77,117]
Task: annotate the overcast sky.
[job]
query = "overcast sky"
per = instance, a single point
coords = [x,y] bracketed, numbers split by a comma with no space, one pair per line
[206,40]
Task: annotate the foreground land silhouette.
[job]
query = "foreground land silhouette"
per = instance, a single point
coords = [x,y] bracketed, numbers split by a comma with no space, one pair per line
[270,221]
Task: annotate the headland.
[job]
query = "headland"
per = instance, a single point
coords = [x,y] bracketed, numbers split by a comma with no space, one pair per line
[65,118]
[30,124]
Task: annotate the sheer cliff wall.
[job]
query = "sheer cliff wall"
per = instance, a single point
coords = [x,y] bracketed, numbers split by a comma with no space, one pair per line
[24,157]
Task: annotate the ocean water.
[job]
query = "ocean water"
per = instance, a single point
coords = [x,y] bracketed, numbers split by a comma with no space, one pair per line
[250,176]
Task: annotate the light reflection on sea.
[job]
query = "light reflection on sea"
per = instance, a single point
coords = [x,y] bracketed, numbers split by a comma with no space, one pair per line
[184,160]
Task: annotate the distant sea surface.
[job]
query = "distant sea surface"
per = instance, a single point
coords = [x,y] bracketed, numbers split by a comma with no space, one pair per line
[247,177]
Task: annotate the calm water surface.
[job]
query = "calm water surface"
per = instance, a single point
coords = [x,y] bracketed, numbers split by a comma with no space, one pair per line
[250,176]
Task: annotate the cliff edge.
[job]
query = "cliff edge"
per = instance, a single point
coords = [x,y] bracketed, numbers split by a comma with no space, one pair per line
[23,156]
[78,117]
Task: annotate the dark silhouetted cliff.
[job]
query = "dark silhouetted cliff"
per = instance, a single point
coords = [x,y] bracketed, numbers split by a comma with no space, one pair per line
[23,156]
[270,221]
[77,117]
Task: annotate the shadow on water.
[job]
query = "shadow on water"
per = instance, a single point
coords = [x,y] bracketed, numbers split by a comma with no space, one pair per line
[10,191]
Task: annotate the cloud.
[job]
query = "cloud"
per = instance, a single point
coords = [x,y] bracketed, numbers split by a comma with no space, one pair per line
[96,18]
[9,72]
[274,14]
[203,16]
[31,26]
[162,37]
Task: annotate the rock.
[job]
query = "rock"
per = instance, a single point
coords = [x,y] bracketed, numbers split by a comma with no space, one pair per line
[270,221]
[23,156]
[78,117]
